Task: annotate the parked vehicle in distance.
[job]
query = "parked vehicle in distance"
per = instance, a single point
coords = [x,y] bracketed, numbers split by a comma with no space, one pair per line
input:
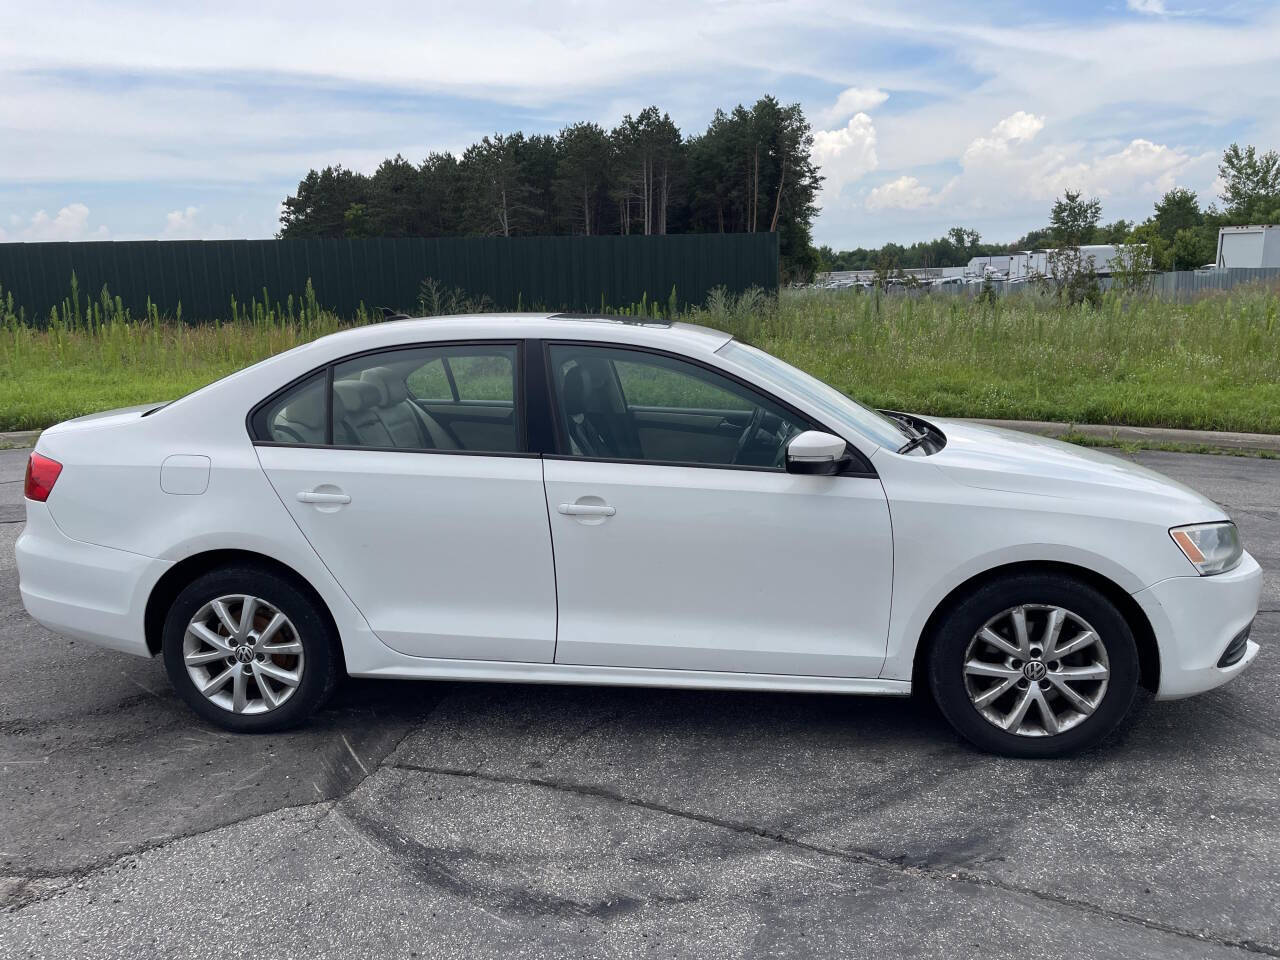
[585,499]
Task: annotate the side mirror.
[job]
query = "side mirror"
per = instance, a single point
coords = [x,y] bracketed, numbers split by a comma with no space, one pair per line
[815,452]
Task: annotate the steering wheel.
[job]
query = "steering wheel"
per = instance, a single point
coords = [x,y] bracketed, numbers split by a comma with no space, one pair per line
[752,426]
[784,433]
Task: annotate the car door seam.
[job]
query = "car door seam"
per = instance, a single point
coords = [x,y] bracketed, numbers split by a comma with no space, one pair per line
[893,577]
[555,574]
[294,520]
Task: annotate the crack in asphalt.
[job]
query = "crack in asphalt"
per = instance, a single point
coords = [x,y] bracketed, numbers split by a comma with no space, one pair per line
[63,879]
[33,887]
[432,865]
[862,857]
[21,727]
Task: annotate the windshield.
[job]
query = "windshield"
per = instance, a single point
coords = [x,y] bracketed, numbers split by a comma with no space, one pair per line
[839,411]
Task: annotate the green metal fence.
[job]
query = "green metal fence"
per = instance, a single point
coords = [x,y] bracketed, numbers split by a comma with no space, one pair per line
[558,273]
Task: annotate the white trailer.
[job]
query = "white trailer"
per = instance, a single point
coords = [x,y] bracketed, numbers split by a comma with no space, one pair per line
[1251,246]
[1036,263]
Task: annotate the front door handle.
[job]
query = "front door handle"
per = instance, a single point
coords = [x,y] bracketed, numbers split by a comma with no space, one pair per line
[311,496]
[586,510]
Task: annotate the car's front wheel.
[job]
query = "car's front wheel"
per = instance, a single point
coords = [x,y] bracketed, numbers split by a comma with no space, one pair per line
[249,650]
[1034,665]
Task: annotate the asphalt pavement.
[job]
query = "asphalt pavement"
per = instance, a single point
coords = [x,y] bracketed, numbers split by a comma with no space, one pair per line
[480,820]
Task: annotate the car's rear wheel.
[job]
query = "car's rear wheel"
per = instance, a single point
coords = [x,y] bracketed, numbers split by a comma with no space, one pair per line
[1034,665]
[249,651]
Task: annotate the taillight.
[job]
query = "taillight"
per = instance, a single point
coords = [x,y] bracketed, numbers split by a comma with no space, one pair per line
[42,474]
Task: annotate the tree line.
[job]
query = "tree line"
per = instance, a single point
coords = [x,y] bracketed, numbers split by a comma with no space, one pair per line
[749,171]
[1178,235]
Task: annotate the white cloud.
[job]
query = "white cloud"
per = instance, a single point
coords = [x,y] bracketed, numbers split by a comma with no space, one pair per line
[851,101]
[69,223]
[995,169]
[846,154]
[508,49]
[1015,128]
[905,193]
[1005,172]
[181,224]
[213,100]
[1142,167]
[1018,126]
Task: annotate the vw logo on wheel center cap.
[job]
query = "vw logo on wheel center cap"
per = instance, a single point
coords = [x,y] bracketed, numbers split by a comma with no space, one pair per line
[1035,671]
[244,653]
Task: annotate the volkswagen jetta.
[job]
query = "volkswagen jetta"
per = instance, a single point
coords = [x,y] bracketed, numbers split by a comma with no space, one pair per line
[569,499]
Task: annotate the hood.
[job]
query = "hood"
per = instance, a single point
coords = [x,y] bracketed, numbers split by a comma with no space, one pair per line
[993,458]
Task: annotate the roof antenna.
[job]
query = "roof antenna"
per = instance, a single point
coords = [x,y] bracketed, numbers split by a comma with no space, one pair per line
[389,314]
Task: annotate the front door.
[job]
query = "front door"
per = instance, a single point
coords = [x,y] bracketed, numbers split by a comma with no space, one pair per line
[682,543]
[434,525]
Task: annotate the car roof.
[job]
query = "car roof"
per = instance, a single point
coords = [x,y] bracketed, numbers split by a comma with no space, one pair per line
[640,330]
[635,320]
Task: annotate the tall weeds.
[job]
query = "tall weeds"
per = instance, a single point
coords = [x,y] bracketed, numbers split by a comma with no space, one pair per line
[1212,363]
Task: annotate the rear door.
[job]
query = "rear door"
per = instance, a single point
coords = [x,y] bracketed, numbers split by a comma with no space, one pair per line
[436,527]
[682,543]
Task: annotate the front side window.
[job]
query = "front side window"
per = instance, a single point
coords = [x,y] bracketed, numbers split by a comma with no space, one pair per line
[456,397]
[616,403]
[835,406]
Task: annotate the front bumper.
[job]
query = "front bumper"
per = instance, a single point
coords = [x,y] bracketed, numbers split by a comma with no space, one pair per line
[82,590]
[1195,619]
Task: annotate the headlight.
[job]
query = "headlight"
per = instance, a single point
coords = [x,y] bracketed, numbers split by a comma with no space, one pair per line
[1211,547]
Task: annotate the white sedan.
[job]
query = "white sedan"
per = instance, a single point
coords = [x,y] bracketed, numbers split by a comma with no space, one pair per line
[570,499]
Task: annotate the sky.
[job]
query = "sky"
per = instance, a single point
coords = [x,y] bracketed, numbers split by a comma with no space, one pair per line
[153,120]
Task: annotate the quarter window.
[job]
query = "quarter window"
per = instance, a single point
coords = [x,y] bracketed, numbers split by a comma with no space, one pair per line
[296,416]
[615,403]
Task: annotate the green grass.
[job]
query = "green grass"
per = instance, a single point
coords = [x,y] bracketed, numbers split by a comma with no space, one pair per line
[1133,446]
[1212,364]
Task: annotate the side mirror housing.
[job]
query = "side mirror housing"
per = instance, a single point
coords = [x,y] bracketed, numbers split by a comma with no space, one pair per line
[815,452]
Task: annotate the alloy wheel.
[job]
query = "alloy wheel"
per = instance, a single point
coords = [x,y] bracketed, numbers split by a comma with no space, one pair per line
[243,654]
[1036,670]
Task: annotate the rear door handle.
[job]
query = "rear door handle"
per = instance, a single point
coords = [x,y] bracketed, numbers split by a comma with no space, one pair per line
[310,496]
[586,510]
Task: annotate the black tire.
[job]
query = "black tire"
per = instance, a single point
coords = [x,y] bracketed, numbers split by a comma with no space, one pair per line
[321,656]
[946,663]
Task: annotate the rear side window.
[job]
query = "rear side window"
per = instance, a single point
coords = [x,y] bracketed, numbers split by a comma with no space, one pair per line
[454,397]
[450,397]
[430,382]
[486,378]
[296,416]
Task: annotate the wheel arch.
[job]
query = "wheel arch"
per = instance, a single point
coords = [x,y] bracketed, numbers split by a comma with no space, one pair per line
[177,577]
[1143,633]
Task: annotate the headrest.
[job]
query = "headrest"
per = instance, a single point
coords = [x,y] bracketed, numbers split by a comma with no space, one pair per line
[307,408]
[575,391]
[391,388]
[354,395]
